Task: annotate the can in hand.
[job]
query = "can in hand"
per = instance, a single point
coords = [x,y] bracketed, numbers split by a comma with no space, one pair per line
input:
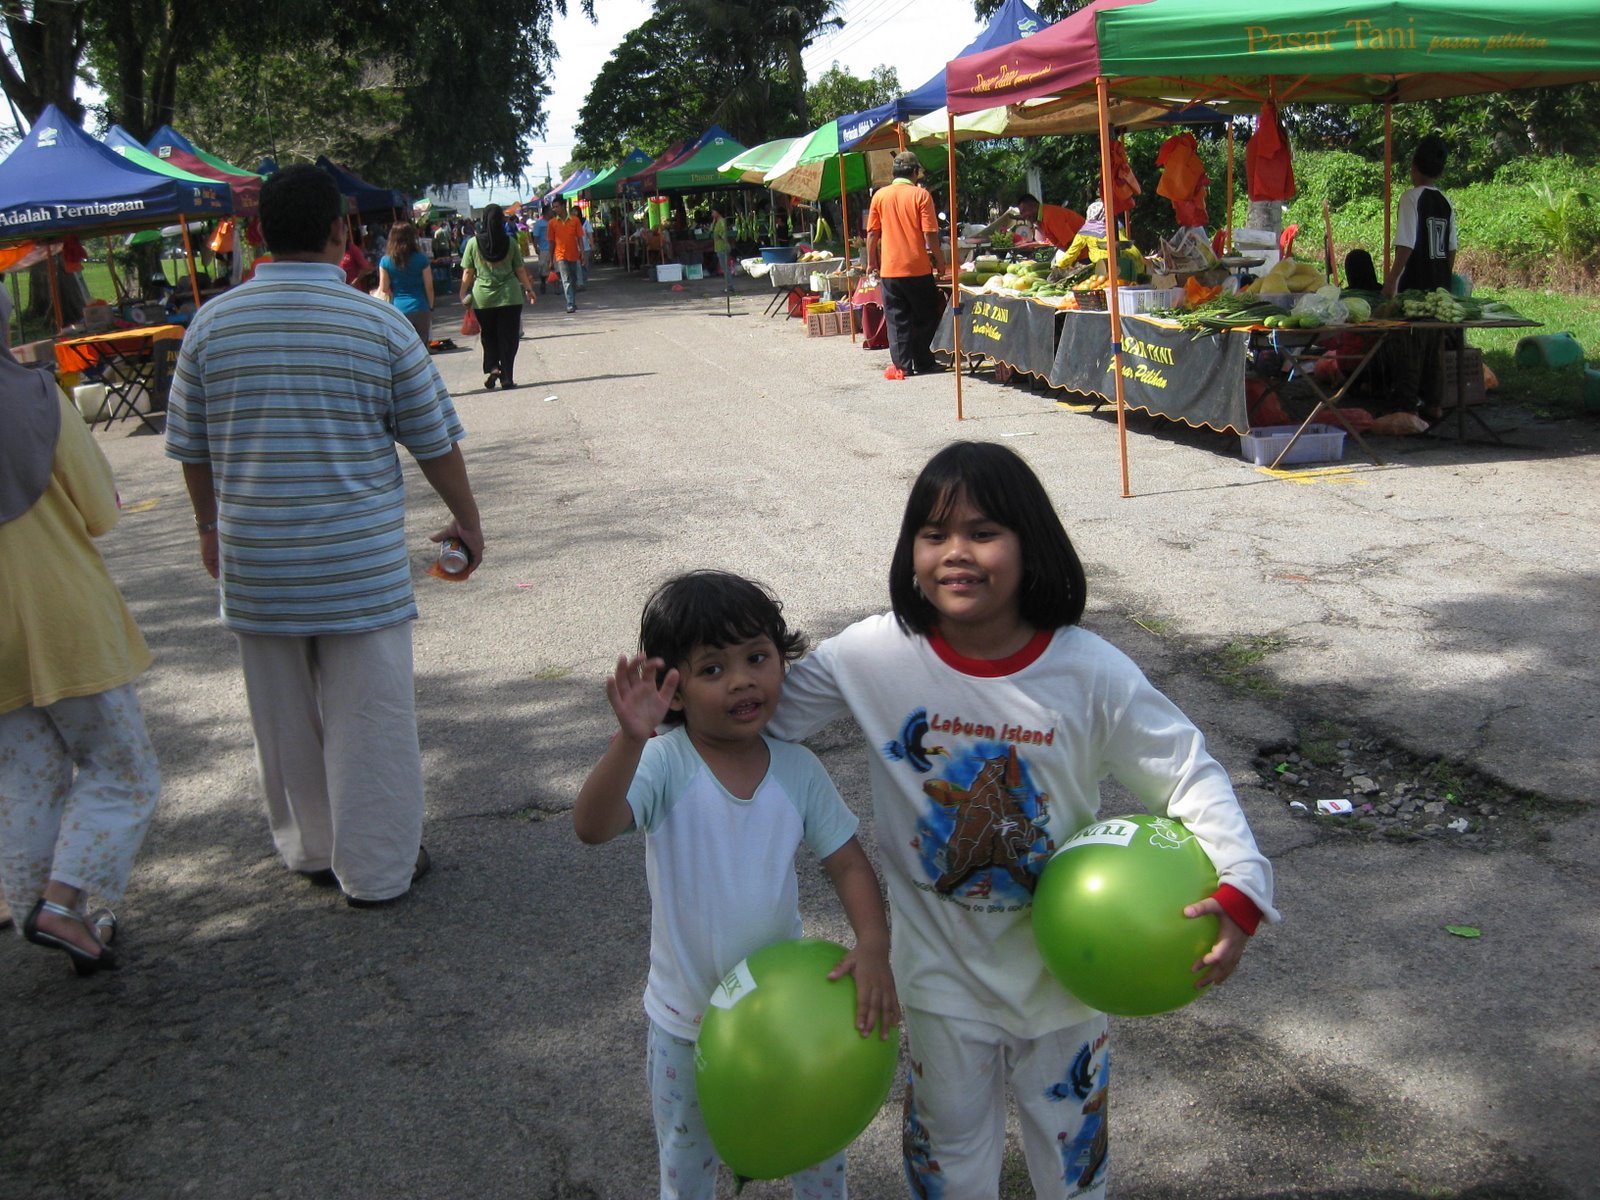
[453,556]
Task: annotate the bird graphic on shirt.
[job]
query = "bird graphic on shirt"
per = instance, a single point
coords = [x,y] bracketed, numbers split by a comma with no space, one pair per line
[909,746]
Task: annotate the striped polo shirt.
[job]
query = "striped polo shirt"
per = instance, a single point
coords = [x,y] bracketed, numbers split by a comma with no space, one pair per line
[296,387]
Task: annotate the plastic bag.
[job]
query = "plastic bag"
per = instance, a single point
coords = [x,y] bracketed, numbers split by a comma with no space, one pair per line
[1399,424]
[469,322]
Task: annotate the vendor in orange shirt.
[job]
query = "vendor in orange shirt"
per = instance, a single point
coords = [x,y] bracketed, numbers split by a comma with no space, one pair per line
[903,249]
[1054,224]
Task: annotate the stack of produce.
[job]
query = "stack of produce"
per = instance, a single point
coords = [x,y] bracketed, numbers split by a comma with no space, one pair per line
[1287,275]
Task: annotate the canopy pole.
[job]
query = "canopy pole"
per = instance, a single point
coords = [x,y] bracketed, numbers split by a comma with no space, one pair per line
[188,254]
[55,287]
[1227,224]
[1388,173]
[1114,251]
[844,227]
[955,275]
[900,134]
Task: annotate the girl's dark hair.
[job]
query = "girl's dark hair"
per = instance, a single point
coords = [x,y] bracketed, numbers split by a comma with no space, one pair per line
[1359,271]
[402,243]
[1000,485]
[711,608]
[494,243]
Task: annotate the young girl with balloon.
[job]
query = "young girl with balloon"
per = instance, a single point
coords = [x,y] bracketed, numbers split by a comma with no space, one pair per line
[723,809]
[991,716]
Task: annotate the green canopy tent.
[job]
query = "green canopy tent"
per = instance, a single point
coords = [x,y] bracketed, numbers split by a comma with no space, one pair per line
[1313,51]
[752,165]
[605,186]
[814,167]
[702,170]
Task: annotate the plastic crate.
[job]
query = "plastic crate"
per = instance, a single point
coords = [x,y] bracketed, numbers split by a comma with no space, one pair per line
[1138,300]
[1319,443]
[1469,360]
[669,272]
[694,271]
[827,324]
[798,302]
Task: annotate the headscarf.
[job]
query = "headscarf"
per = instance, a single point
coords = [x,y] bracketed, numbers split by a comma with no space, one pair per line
[1094,224]
[493,241]
[31,411]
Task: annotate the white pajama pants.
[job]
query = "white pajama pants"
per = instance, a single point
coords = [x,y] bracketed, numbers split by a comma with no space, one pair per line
[956,1108]
[78,786]
[335,725]
[688,1161]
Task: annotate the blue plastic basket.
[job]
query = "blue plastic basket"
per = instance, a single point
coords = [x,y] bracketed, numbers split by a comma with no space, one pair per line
[777,254]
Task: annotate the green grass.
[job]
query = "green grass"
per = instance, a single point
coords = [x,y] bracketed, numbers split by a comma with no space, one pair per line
[95,273]
[1553,393]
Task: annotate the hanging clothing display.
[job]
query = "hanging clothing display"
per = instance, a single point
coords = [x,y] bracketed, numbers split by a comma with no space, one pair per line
[1267,164]
[1124,184]
[1183,178]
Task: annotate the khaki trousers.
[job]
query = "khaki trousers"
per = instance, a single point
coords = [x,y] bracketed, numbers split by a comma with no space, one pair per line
[335,726]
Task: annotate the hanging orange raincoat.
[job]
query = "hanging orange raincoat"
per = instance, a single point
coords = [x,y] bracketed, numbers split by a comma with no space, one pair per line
[1124,184]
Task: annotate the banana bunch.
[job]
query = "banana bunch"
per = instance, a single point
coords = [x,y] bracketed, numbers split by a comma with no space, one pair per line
[823,231]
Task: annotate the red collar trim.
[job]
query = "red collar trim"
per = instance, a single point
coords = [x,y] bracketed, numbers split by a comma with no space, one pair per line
[992,668]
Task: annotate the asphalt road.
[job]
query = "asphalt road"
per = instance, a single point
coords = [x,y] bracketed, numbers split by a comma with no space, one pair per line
[486,1039]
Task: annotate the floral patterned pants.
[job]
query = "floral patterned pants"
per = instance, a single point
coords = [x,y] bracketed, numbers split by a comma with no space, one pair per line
[78,786]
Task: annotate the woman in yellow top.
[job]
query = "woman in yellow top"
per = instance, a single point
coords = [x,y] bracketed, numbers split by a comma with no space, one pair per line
[78,775]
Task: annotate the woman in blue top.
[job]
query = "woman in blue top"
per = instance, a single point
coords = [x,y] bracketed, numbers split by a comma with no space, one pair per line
[405,278]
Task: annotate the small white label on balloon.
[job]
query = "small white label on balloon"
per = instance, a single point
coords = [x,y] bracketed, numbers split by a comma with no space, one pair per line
[735,986]
[1102,833]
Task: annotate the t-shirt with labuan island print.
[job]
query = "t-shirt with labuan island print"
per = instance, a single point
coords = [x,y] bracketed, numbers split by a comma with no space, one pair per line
[979,771]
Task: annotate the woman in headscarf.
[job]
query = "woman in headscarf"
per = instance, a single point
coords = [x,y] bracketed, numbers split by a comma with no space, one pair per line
[1090,241]
[78,776]
[495,282]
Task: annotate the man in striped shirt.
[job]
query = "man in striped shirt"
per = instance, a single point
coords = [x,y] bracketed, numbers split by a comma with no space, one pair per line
[290,395]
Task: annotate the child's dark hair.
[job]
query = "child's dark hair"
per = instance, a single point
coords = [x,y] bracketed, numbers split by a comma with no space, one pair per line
[1430,156]
[999,484]
[711,608]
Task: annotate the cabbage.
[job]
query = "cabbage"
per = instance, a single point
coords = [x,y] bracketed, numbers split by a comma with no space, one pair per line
[1328,291]
[1358,308]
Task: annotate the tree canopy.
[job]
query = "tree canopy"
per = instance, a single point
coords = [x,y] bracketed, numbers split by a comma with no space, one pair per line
[837,93]
[440,91]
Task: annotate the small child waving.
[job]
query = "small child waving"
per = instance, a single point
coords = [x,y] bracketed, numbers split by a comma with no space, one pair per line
[723,809]
[991,718]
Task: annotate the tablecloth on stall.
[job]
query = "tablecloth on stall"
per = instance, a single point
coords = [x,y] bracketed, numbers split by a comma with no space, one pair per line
[1167,371]
[789,275]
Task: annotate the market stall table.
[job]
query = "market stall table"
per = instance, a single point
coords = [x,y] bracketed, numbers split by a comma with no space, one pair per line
[1168,371]
[793,279]
[125,362]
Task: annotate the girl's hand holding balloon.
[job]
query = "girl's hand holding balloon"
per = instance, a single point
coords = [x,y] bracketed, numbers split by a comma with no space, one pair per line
[876,1001]
[638,702]
[1223,957]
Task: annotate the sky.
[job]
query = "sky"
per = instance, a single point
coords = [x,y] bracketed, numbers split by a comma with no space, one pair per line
[915,37]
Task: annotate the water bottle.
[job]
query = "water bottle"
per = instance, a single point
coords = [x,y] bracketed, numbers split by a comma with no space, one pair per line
[453,556]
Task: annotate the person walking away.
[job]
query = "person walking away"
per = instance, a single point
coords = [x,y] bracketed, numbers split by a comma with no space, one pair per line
[405,278]
[495,282]
[541,244]
[78,775]
[721,246]
[723,809]
[903,249]
[301,519]
[987,592]
[585,249]
[1424,260]
[566,234]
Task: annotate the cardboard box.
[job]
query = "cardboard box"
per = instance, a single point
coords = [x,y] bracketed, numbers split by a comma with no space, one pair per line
[827,324]
[669,272]
[1319,443]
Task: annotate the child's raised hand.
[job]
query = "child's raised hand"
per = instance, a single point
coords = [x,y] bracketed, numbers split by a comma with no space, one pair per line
[876,1002]
[638,702]
[1223,957]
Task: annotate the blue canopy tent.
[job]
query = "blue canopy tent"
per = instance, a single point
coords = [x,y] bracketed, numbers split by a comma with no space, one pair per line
[572,183]
[60,181]
[1012,21]
[369,198]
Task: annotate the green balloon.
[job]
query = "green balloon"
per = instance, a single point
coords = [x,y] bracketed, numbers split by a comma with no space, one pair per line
[1108,914]
[785,1079]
